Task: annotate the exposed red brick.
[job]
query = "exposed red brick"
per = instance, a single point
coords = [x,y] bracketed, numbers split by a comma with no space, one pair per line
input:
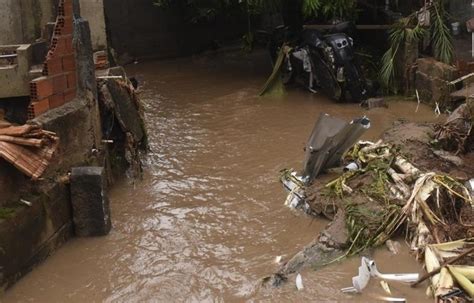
[69,95]
[38,107]
[68,44]
[69,63]
[68,11]
[63,26]
[56,100]
[60,45]
[71,80]
[59,83]
[52,66]
[40,88]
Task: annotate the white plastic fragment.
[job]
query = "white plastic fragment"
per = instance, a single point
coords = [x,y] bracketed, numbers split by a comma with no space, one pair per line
[299,282]
[391,277]
[27,203]
[278,259]
[392,299]
[368,269]
[351,166]
[360,281]
[393,246]
[385,287]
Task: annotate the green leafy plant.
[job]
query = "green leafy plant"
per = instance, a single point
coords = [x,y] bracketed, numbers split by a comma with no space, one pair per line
[404,31]
[440,34]
[331,9]
[407,30]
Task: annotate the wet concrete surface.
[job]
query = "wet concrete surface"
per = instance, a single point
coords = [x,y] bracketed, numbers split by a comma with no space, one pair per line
[208,220]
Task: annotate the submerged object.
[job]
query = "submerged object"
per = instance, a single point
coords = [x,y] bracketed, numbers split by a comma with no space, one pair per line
[330,138]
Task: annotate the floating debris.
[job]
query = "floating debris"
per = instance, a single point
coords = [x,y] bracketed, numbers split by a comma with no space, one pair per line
[393,246]
[299,282]
[392,299]
[368,269]
[385,287]
[379,192]
[360,281]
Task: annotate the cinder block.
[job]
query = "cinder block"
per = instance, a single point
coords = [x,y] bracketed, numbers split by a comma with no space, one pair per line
[56,100]
[59,83]
[69,63]
[69,95]
[90,203]
[52,66]
[41,88]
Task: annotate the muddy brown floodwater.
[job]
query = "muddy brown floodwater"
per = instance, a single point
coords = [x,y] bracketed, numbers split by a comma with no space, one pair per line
[208,220]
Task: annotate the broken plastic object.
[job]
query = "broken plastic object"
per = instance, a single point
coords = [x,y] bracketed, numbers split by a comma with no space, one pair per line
[294,184]
[360,281]
[393,246]
[392,299]
[278,259]
[299,282]
[368,269]
[330,138]
[351,166]
[391,277]
[385,287]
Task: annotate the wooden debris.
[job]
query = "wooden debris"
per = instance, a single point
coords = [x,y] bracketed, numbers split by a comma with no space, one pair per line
[27,147]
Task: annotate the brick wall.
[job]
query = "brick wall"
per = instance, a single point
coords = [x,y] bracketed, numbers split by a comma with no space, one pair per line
[58,84]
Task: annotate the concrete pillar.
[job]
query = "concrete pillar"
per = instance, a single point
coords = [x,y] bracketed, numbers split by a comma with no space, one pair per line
[90,204]
[93,11]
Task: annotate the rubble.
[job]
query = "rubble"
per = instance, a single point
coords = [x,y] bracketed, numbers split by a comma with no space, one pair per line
[28,147]
[399,185]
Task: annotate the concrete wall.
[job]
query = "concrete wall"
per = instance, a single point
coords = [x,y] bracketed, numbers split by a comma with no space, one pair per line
[93,11]
[21,21]
[11,31]
[48,222]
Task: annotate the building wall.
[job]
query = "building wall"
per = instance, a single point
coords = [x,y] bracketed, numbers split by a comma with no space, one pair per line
[93,11]
[11,31]
[22,21]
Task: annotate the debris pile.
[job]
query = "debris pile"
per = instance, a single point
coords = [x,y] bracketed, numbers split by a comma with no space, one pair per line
[28,147]
[456,134]
[380,193]
[122,118]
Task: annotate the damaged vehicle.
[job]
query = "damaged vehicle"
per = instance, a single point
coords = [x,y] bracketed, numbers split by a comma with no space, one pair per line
[318,60]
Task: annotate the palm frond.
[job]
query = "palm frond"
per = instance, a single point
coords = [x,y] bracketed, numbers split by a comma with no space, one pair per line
[441,36]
